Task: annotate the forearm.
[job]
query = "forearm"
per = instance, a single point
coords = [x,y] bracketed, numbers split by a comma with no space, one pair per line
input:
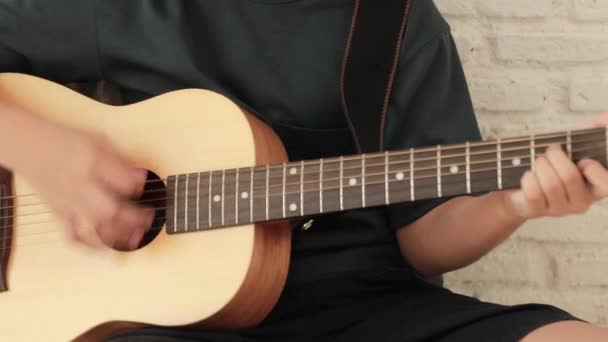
[457,233]
[18,131]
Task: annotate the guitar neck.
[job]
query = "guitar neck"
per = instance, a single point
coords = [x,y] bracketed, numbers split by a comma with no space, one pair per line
[297,189]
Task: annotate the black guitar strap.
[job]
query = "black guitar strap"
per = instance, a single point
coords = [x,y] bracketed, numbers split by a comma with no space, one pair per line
[368,68]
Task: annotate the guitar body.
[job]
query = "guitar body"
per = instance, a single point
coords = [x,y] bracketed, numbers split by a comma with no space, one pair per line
[221,278]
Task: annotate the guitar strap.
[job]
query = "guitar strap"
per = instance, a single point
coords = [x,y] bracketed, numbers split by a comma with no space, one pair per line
[368,71]
[368,68]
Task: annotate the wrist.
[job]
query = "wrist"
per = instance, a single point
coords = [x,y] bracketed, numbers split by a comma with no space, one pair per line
[505,210]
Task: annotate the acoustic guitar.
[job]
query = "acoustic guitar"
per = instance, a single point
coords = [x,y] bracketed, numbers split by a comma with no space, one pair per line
[224,192]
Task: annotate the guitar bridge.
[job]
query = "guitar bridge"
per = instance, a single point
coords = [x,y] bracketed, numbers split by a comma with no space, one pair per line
[6,224]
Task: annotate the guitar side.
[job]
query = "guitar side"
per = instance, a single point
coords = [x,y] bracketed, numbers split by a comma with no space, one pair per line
[59,290]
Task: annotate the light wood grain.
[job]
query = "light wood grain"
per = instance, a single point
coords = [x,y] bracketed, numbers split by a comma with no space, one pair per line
[59,290]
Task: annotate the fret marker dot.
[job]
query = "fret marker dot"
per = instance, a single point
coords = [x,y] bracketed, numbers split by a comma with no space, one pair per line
[516,162]
[454,169]
[400,176]
[352,181]
[244,195]
[293,207]
[217,198]
[293,171]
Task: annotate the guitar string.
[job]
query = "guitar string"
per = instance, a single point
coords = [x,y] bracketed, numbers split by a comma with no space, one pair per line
[383,174]
[444,148]
[160,216]
[422,187]
[393,163]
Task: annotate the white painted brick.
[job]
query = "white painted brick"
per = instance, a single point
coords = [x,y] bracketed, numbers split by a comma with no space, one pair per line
[538,66]
[513,8]
[551,48]
[589,95]
[464,46]
[591,227]
[499,95]
[591,10]
[581,265]
[455,7]
[511,263]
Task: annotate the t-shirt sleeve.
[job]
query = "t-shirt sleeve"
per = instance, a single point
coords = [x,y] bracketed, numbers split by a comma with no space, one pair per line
[55,40]
[430,105]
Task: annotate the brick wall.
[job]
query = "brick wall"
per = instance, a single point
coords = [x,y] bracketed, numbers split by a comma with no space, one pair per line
[538,66]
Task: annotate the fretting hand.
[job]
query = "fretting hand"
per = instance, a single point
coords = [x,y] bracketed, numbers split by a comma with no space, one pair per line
[558,186]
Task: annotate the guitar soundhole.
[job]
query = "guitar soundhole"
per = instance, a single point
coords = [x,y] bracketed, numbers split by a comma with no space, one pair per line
[154,196]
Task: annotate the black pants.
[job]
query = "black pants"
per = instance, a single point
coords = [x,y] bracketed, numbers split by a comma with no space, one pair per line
[376,308]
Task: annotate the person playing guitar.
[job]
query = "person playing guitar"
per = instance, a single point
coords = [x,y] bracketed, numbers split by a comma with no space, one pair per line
[355,275]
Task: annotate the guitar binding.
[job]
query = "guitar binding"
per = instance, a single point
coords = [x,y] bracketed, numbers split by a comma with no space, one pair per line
[6,224]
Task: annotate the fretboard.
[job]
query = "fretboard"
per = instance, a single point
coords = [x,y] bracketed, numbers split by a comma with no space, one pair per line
[222,198]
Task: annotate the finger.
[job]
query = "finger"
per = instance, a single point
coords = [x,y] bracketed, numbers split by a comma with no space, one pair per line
[78,232]
[129,226]
[596,175]
[533,200]
[118,173]
[577,193]
[601,120]
[551,185]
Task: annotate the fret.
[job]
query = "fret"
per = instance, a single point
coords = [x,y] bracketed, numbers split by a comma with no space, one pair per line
[198,202]
[311,187]
[171,204]
[176,208]
[276,199]
[398,176]
[362,181]
[201,201]
[210,204]
[284,181]
[590,146]
[341,183]
[499,164]
[532,152]
[236,198]
[375,179]
[186,204]
[267,191]
[321,185]
[217,198]
[229,184]
[483,167]
[242,193]
[223,193]
[412,187]
[387,200]
[259,194]
[425,174]
[350,182]
[468,166]
[439,194]
[302,188]
[331,185]
[515,161]
[453,171]
[293,188]
[251,194]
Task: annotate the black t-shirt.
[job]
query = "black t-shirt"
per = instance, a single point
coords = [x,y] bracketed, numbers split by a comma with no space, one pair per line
[279,59]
